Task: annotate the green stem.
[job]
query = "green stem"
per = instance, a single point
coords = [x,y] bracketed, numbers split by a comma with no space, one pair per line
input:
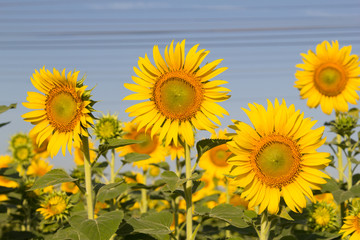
[143,205]
[112,166]
[265,227]
[88,184]
[339,156]
[188,192]
[227,232]
[177,202]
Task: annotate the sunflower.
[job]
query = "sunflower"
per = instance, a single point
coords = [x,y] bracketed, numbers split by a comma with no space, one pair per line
[55,206]
[329,78]
[151,146]
[69,187]
[108,127]
[175,151]
[38,168]
[23,153]
[214,161]
[351,226]
[179,95]
[79,155]
[277,157]
[64,109]
[19,139]
[40,151]
[322,217]
[5,161]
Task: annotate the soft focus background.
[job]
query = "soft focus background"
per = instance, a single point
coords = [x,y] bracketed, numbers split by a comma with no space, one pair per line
[260,42]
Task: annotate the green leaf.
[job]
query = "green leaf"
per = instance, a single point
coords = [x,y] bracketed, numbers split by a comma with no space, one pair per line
[171,179]
[155,223]
[330,186]
[4,108]
[206,144]
[230,214]
[284,214]
[135,157]
[52,177]
[111,191]
[355,190]
[68,233]
[114,143]
[100,229]
[341,196]
[250,214]
[162,165]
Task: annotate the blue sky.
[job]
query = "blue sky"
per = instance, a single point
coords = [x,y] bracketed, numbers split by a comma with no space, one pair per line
[259,41]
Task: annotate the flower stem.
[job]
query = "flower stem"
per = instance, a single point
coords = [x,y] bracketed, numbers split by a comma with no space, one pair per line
[176,203]
[227,232]
[188,192]
[265,227]
[112,166]
[143,205]
[339,157]
[88,184]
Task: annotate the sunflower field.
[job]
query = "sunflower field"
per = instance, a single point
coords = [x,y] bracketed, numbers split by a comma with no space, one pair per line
[264,180]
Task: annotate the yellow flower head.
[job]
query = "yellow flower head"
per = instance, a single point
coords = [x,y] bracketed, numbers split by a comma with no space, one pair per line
[214,161]
[19,139]
[79,155]
[55,206]
[175,151]
[5,182]
[108,127]
[69,187]
[23,153]
[351,227]
[329,77]
[5,160]
[150,145]
[277,157]
[40,151]
[38,168]
[63,110]
[322,217]
[179,96]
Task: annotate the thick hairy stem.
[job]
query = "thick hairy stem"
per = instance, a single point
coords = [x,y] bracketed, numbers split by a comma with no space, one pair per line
[265,227]
[88,184]
[188,193]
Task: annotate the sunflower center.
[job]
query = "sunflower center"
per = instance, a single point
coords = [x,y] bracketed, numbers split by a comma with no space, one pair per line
[322,216]
[276,160]
[63,108]
[106,130]
[22,153]
[330,79]
[147,146]
[219,155]
[178,95]
[57,205]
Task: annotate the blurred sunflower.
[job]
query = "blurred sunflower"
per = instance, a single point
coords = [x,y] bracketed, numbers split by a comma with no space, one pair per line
[5,182]
[5,160]
[108,127]
[23,153]
[151,146]
[179,95]
[55,206]
[277,157]
[69,187]
[40,151]
[19,139]
[79,155]
[64,109]
[38,168]
[214,161]
[175,151]
[329,78]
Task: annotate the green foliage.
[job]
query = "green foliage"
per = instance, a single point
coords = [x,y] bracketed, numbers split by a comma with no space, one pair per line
[134,157]
[52,177]
[153,224]
[4,108]
[110,191]
[206,144]
[101,228]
